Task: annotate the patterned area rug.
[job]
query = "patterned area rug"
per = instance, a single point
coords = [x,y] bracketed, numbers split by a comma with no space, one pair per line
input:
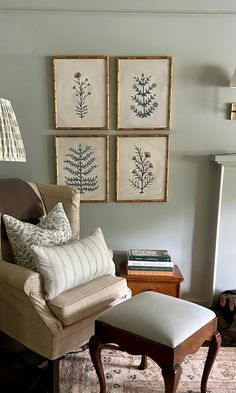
[77,374]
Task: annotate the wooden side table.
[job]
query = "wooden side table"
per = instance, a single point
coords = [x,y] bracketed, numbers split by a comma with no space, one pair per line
[169,285]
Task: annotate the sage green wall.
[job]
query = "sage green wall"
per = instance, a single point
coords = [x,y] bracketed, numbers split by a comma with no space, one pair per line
[200,37]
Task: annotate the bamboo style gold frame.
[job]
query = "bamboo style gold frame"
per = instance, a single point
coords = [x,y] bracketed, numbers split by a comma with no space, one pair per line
[62,145]
[155,150]
[161,75]
[96,75]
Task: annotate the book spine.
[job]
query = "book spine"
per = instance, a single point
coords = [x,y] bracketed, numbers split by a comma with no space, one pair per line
[149,273]
[151,268]
[148,258]
[150,263]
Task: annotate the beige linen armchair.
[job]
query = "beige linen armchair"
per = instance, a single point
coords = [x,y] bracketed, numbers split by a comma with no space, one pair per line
[53,328]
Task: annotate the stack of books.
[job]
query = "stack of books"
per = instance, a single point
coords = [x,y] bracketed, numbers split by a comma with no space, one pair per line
[149,262]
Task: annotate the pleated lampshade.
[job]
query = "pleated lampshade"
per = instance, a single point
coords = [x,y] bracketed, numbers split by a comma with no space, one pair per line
[11,143]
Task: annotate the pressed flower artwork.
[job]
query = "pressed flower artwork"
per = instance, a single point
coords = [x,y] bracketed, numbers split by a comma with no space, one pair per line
[142,168]
[144,93]
[142,176]
[144,98]
[82,162]
[81,92]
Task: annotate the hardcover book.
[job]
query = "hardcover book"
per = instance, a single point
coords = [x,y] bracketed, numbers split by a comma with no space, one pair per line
[150,255]
[147,263]
[149,273]
[152,268]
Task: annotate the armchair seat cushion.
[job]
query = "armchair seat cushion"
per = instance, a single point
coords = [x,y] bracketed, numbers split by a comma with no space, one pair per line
[88,299]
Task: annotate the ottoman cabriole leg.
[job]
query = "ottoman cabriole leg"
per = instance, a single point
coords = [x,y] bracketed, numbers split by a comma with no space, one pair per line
[143,364]
[171,377]
[212,353]
[168,359]
[95,348]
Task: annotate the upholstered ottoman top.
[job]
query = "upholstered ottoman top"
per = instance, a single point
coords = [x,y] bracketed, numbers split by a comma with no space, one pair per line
[160,318]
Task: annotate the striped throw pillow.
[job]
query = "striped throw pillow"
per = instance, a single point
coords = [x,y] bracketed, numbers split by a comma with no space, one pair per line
[67,266]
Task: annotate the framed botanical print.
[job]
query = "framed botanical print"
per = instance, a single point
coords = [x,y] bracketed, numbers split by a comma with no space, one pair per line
[83,162]
[144,93]
[142,168]
[81,92]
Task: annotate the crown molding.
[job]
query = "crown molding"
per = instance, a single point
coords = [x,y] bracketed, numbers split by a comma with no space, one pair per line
[152,7]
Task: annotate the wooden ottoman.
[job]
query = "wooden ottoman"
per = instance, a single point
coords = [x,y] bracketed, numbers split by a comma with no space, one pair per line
[165,328]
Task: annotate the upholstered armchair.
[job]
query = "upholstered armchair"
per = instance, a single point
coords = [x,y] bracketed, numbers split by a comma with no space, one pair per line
[52,328]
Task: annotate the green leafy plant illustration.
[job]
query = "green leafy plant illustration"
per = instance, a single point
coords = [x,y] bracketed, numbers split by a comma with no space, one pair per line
[80,163]
[142,173]
[81,89]
[144,98]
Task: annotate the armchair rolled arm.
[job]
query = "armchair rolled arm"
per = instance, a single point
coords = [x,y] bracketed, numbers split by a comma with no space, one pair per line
[25,286]
[16,276]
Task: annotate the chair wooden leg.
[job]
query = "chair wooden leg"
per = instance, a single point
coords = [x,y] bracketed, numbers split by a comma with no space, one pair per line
[143,364]
[212,353]
[171,378]
[53,376]
[95,348]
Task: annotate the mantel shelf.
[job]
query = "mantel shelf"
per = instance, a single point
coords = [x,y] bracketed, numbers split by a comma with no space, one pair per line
[225,159]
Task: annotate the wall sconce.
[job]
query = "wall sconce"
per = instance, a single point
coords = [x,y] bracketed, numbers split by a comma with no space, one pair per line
[233,105]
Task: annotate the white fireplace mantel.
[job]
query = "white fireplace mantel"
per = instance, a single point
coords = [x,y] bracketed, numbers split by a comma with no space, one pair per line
[224,264]
[225,159]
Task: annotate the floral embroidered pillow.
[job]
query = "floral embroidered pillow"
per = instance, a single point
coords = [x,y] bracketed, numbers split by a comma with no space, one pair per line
[53,229]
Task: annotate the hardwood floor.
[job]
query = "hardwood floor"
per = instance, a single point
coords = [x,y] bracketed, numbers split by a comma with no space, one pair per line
[21,370]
